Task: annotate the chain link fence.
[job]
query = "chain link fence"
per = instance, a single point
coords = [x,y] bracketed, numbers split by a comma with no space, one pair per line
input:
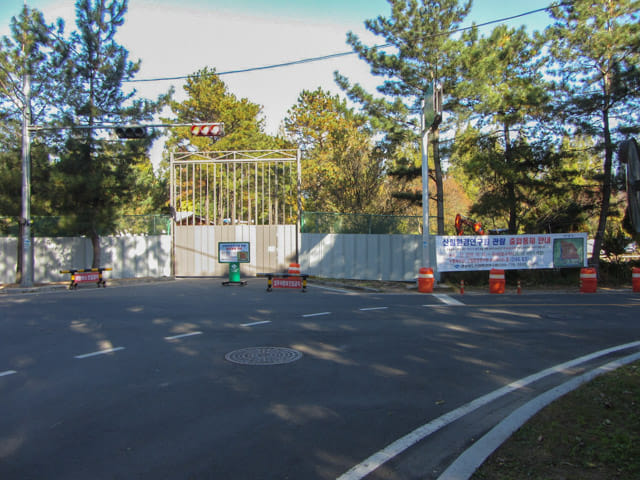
[327,222]
[64,227]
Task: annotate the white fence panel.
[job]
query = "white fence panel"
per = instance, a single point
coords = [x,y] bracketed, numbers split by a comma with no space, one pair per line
[361,257]
[355,256]
[128,256]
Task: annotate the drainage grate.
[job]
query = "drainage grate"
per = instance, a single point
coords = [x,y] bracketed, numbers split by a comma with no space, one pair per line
[263,356]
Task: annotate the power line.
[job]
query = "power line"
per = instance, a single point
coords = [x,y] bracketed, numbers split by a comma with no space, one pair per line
[344,54]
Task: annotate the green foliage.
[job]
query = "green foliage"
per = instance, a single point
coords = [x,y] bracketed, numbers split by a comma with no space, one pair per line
[95,176]
[501,92]
[341,169]
[209,101]
[418,54]
[595,50]
[32,49]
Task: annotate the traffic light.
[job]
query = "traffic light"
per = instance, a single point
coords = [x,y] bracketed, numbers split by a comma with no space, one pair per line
[207,129]
[131,131]
[432,106]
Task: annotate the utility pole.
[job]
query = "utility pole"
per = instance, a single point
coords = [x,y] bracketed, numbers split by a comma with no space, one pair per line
[430,119]
[26,275]
[424,141]
[25,266]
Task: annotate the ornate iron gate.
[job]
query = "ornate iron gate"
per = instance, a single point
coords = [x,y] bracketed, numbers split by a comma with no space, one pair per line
[244,196]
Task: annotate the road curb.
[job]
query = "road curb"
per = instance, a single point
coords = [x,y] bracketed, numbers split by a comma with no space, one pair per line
[472,458]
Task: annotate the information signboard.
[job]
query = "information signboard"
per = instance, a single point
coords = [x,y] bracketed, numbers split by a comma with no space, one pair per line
[233,252]
[511,252]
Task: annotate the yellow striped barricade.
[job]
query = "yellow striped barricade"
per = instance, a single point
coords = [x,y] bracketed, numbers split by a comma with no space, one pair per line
[285,280]
[86,275]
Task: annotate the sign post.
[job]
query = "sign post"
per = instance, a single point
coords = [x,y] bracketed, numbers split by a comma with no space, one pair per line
[234,253]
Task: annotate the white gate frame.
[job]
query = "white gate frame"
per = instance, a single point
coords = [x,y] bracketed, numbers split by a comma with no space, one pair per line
[192,206]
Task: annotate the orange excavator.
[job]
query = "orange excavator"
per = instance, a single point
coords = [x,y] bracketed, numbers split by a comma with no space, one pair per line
[462,222]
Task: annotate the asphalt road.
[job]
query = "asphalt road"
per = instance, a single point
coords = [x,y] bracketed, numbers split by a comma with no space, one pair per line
[134,382]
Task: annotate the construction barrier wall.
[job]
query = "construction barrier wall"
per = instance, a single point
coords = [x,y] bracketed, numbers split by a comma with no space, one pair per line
[128,256]
[366,257]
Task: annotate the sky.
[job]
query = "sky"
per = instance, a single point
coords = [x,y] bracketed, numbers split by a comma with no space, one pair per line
[176,38]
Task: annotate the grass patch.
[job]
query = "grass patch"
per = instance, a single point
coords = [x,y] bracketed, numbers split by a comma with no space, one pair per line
[591,433]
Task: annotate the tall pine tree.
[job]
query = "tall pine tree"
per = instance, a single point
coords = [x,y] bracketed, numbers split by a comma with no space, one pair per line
[596,48]
[95,175]
[502,99]
[30,59]
[418,51]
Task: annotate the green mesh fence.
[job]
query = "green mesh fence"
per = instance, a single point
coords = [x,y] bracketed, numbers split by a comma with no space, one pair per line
[63,227]
[326,222]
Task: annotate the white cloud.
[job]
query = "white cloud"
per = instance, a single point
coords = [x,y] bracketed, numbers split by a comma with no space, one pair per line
[172,42]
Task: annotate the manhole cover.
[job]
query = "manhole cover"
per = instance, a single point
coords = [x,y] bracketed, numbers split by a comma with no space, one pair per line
[263,356]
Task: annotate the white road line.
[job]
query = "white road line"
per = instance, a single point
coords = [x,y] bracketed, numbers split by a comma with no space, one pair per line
[255,323]
[100,352]
[373,308]
[8,372]
[392,450]
[471,459]
[183,335]
[446,299]
[316,314]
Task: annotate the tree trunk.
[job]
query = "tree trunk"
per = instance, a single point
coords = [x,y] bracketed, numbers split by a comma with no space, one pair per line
[95,243]
[606,192]
[511,187]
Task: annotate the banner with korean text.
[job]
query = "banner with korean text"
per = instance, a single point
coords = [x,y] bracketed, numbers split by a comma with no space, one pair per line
[511,252]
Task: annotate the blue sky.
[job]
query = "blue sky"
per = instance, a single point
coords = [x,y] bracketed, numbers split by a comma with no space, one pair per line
[174,38]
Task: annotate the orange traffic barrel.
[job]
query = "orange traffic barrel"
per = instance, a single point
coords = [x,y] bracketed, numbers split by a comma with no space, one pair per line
[294,269]
[588,280]
[496,281]
[635,279]
[425,280]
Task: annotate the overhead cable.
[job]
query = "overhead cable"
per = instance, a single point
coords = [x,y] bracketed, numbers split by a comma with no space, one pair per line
[344,54]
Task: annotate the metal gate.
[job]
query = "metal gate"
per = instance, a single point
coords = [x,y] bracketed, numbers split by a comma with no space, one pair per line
[244,196]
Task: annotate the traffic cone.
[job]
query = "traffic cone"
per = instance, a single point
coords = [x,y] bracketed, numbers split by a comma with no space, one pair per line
[461,287]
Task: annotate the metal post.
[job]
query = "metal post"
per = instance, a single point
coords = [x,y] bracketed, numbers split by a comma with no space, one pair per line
[172,202]
[426,261]
[26,279]
[299,204]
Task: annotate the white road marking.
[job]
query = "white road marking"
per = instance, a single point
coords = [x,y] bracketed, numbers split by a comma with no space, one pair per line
[100,352]
[8,372]
[446,299]
[316,314]
[373,308]
[392,450]
[474,456]
[183,335]
[255,323]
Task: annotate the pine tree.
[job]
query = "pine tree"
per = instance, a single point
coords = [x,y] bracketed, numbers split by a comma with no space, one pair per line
[501,98]
[596,48]
[30,56]
[210,101]
[341,169]
[95,175]
[421,53]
